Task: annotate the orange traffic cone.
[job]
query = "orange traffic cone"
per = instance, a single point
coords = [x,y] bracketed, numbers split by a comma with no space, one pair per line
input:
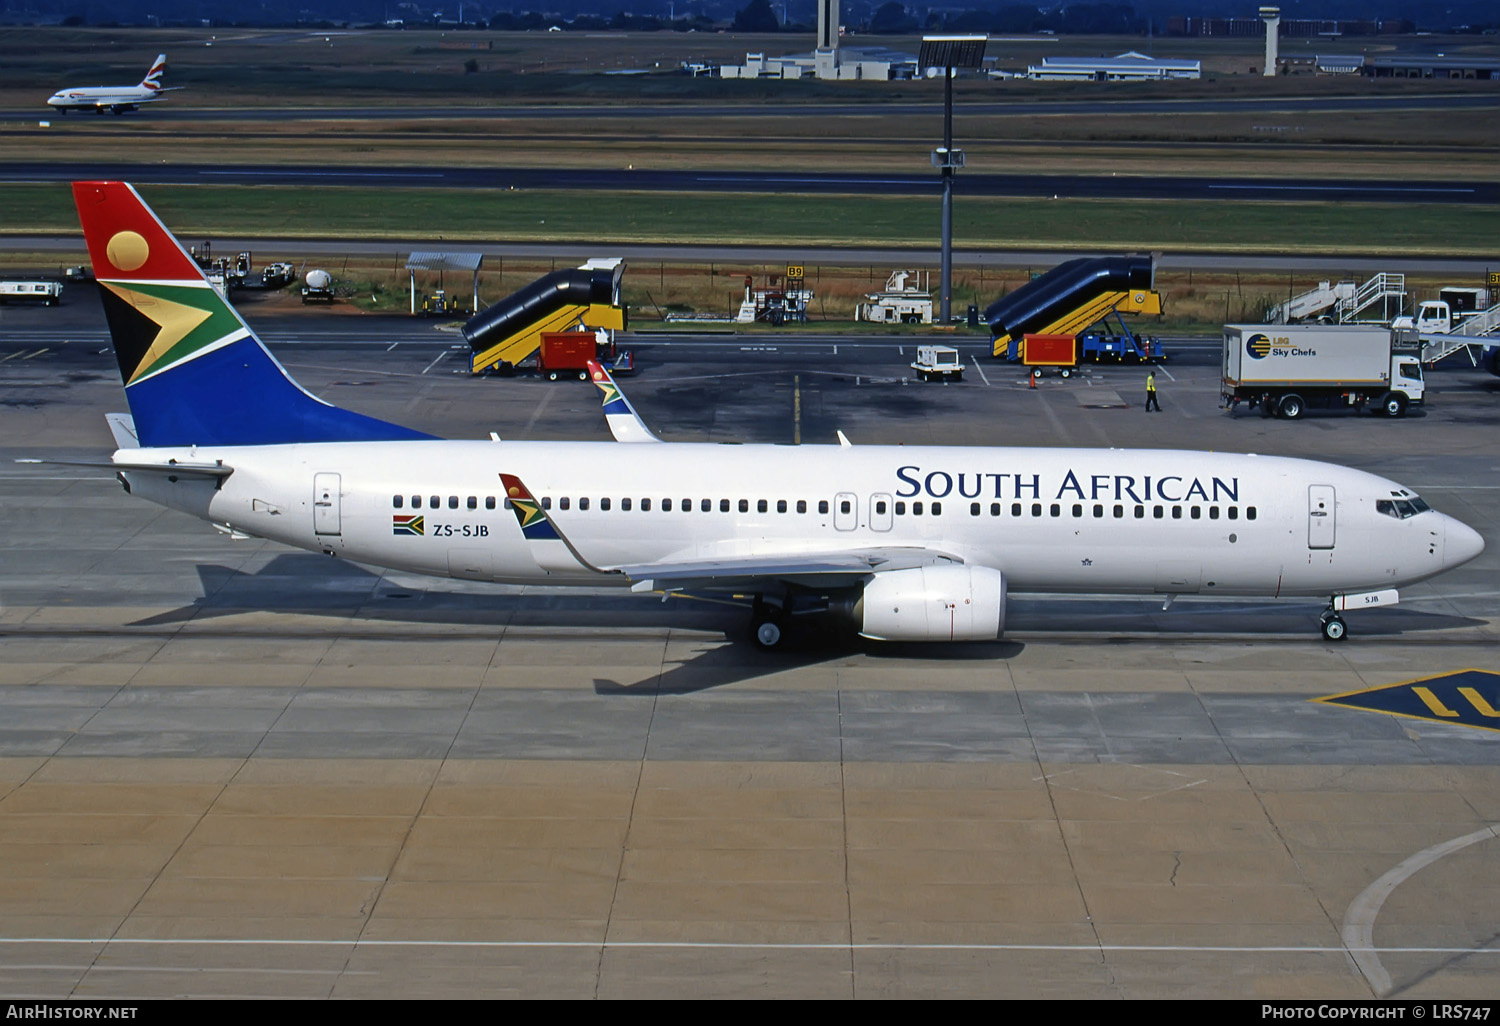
[1031,381]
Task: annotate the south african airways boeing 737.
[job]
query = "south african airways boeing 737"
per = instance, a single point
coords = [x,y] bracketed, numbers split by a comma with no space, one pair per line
[899,542]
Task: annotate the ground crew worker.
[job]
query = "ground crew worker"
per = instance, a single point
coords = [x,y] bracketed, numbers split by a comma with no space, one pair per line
[1151,402]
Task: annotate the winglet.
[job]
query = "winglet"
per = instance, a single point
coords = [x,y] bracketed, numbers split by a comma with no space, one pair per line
[536,523]
[624,423]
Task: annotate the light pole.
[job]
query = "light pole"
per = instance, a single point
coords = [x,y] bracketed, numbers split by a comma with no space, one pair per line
[949,53]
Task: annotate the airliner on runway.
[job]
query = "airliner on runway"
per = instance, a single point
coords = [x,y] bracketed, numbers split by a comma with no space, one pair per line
[118,99]
[899,542]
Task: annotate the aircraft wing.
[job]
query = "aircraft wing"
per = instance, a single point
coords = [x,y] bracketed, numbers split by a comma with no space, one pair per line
[807,568]
[725,573]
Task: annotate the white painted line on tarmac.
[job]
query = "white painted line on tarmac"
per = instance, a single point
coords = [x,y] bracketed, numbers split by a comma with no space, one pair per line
[435,362]
[1346,188]
[1359,920]
[1269,949]
[980,368]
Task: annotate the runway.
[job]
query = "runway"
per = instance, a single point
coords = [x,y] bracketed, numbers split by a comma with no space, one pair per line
[231,769]
[593,179]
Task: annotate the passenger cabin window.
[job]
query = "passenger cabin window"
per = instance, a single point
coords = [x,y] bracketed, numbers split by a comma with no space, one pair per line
[844,506]
[434,501]
[564,502]
[583,503]
[973,509]
[706,505]
[723,505]
[416,502]
[625,505]
[900,509]
[994,509]
[645,505]
[916,509]
[489,502]
[666,505]
[822,505]
[761,506]
[398,501]
[473,502]
[453,502]
[744,506]
[1197,513]
[802,506]
[781,505]
[604,505]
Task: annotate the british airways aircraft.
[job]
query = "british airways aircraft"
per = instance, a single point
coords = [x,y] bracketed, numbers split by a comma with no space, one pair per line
[118,99]
[901,543]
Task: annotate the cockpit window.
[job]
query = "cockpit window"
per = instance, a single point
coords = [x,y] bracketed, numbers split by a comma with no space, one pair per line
[1401,509]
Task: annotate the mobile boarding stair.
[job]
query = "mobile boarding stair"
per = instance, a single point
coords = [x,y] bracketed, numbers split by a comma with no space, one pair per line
[1070,298]
[1346,302]
[1483,329]
[511,330]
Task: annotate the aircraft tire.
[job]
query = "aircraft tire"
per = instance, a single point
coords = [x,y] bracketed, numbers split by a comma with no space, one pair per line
[1333,628]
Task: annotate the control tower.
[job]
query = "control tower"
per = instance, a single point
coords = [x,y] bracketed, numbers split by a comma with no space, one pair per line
[826,53]
[1272,17]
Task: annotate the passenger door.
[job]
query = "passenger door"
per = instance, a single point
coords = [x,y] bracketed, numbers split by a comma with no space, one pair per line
[1321,516]
[880,512]
[326,504]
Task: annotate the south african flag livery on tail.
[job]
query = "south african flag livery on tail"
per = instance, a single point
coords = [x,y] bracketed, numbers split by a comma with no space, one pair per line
[194,372]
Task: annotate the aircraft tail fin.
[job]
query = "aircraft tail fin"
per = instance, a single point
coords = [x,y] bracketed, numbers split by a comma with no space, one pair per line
[624,423]
[152,81]
[194,372]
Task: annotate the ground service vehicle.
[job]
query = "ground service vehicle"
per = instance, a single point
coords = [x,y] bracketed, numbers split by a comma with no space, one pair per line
[1060,351]
[318,287]
[938,363]
[48,293]
[1286,369]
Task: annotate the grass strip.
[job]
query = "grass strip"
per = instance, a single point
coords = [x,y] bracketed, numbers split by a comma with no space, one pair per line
[785,219]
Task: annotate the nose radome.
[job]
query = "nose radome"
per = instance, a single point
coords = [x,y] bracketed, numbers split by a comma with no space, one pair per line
[1461,543]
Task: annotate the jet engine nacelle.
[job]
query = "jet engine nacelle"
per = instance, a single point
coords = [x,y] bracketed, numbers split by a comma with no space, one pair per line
[934,603]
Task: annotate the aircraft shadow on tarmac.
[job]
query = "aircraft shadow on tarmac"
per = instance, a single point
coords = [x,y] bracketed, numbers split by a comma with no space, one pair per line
[312,585]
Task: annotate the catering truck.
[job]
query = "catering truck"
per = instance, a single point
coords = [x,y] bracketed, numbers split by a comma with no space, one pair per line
[1287,369]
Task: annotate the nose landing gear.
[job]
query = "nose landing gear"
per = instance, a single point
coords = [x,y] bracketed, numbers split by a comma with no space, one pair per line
[1332,626]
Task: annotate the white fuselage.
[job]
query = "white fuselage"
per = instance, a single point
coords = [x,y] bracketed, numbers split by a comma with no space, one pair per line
[1060,520]
[91,97]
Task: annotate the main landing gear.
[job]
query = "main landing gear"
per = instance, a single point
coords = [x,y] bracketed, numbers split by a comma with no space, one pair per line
[1332,625]
[767,624]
